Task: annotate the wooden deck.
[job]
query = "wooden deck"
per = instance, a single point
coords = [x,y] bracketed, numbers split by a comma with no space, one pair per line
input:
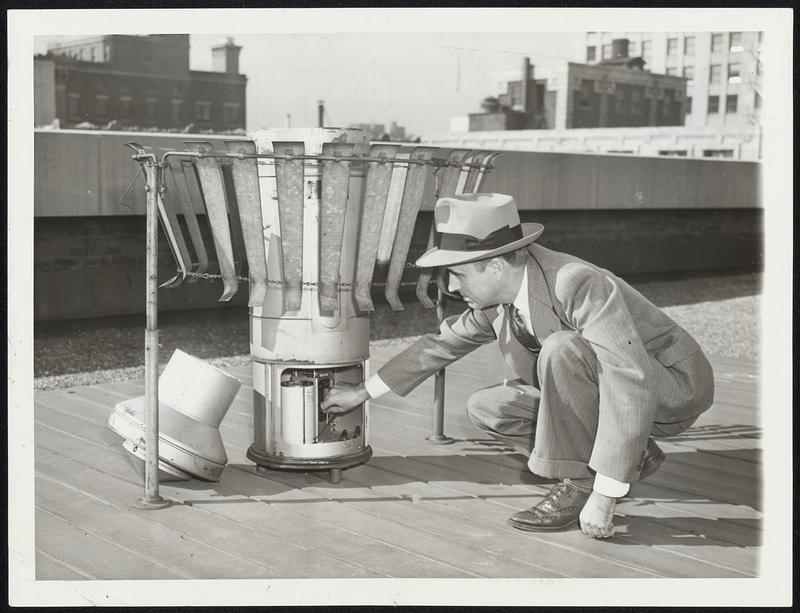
[415,510]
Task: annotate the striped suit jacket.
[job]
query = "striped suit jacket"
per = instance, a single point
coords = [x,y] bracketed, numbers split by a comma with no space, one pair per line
[627,332]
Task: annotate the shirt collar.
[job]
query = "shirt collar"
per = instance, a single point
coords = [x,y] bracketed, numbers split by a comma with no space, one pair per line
[521,301]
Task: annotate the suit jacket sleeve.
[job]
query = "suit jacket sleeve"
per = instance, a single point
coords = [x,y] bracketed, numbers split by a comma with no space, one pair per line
[458,335]
[595,307]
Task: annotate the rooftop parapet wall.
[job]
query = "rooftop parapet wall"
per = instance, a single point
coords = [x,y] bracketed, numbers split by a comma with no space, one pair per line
[633,215]
[84,173]
[81,173]
[562,181]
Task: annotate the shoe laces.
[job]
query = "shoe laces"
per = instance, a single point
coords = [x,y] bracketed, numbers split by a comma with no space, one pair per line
[557,492]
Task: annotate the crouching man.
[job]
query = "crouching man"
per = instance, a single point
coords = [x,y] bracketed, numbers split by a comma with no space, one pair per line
[601,369]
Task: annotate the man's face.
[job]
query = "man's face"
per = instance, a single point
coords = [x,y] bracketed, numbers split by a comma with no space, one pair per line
[478,288]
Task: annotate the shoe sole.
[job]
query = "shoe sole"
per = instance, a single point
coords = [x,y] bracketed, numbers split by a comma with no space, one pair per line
[529,528]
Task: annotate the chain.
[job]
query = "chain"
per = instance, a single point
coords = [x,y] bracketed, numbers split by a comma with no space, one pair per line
[241,279]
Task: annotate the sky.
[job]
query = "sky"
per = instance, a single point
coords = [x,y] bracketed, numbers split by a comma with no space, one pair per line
[419,80]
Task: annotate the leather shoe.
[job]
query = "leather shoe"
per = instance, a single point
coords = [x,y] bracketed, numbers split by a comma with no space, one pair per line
[653,459]
[560,509]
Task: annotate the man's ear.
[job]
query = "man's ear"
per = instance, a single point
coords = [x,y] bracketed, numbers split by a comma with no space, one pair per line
[497,266]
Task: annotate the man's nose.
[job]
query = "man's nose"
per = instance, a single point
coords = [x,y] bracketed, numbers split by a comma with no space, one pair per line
[453,284]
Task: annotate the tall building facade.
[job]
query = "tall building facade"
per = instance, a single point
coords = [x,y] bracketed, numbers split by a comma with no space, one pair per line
[615,93]
[141,81]
[723,70]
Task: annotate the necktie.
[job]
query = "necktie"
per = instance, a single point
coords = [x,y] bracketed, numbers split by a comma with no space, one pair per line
[520,332]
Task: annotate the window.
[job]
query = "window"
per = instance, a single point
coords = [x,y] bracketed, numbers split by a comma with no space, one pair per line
[150,104]
[716,43]
[647,49]
[714,73]
[74,104]
[674,152]
[734,75]
[688,73]
[688,105]
[177,107]
[636,101]
[106,53]
[760,37]
[584,97]
[672,46]
[717,153]
[713,104]
[736,42]
[125,106]
[669,100]
[672,70]
[731,102]
[101,106]
[202,110]
[757,102]
[607,51]
[688,45]
[590,53]
[230,113]
[619,101]
[633,48]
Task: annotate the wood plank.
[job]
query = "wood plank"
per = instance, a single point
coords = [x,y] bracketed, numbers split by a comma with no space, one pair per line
[706,486]
[116,468]
[49,568]
[445,557]
[515,472]
[93,555]
[265,554]
[442,470]
[459,524]
[416,509]
[496,510]
[102,505]
[280,518]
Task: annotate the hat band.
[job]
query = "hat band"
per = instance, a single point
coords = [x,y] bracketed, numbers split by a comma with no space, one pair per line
[466,242]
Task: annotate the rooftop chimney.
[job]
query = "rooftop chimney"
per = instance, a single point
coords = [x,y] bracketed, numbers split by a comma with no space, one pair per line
[528,101]
[619,48]
[226,57]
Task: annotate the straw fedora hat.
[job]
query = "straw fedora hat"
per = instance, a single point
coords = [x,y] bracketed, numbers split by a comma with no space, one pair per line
[471,227]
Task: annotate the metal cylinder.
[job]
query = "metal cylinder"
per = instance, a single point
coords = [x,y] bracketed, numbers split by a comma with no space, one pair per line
[299,352]
[193,398]
[297,399]
[309,335]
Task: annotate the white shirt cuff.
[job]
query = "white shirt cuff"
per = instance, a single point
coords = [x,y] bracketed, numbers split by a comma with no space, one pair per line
[610,487]
[375,386]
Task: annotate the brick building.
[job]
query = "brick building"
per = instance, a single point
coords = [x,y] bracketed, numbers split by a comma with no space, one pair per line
[141,81]
[616,92]
[723,70]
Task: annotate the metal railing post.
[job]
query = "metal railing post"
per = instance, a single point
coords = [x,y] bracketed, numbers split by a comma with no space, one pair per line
[439,437]
[151,499]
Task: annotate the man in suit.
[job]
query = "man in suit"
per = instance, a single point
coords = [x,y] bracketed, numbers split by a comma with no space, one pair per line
[601,369]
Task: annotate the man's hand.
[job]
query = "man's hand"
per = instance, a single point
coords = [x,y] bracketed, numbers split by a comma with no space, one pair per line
[344,397]
[597,516]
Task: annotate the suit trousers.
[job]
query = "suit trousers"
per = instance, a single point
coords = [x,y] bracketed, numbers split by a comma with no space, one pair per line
[556,424]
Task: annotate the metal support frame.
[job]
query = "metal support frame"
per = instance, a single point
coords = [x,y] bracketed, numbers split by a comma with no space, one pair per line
[151,499]
[153,169]
[438,437]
